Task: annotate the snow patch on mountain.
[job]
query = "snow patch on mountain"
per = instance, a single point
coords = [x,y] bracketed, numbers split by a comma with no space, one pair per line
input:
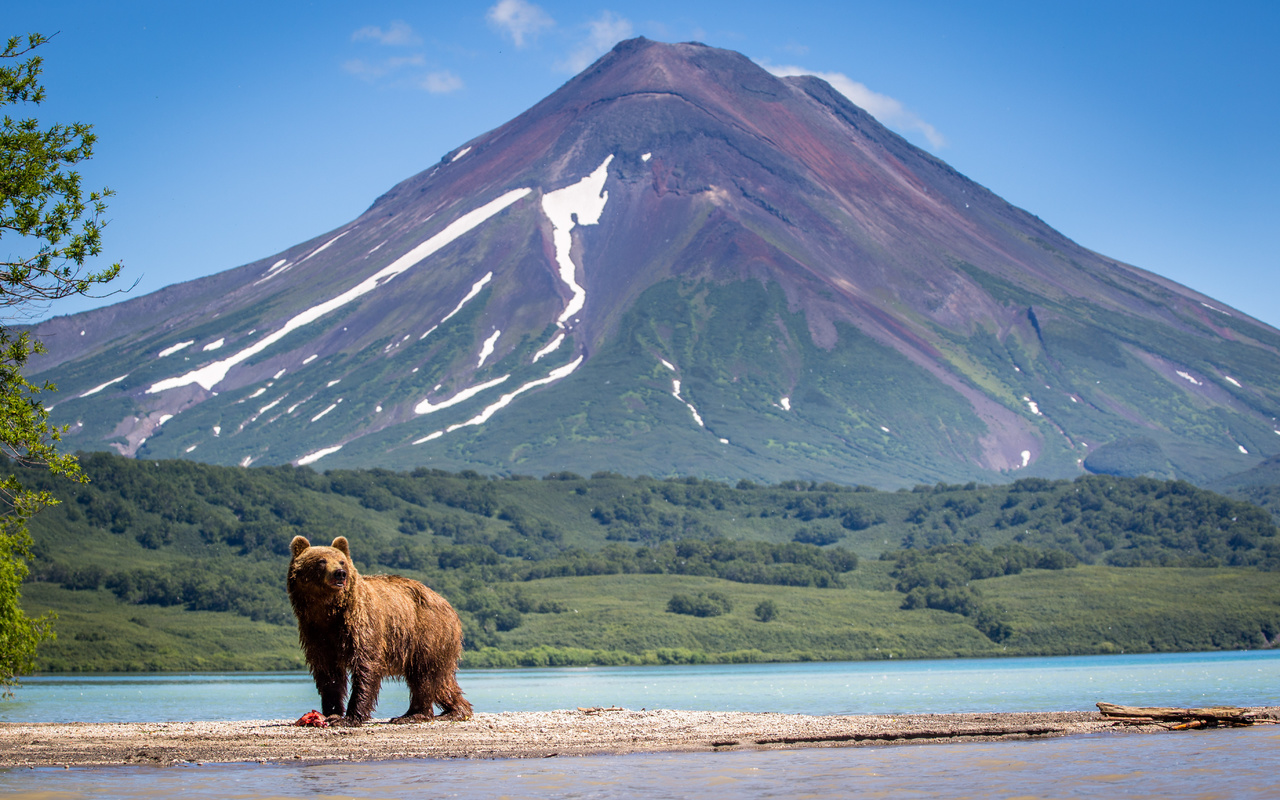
[551,347]
[111,382]
[505,400]
[212,374]
[577,204]
[475,290]
[274,270]
[311,458]
[168,351]
[331,407]
[427,407]
[325,246]
[487,348]
[675,392]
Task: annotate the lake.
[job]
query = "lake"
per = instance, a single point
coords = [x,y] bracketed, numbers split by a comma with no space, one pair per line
[1222,763]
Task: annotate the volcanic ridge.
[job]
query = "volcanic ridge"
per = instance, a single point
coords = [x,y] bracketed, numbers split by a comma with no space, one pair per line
[679,264]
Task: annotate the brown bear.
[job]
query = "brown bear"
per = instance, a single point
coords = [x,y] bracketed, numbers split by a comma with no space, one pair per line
[373,628]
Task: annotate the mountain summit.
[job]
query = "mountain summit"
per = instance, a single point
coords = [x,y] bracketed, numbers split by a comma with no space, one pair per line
[678,263]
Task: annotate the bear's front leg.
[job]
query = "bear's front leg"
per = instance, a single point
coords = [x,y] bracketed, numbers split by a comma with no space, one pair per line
[332,685]
[365,685]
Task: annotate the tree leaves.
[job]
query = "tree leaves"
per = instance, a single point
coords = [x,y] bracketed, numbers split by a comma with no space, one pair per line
[53,227]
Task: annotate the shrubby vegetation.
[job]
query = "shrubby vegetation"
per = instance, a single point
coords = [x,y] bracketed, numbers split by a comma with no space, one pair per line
[199,538]
[941,578]
[704,604]
[766,610]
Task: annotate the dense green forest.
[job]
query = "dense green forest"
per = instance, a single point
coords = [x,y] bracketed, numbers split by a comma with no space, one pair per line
[179,565]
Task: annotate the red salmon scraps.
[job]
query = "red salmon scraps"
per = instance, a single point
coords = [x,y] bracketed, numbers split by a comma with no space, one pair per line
[313,719]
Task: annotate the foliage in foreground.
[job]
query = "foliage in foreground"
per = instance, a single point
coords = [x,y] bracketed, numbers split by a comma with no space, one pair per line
[52,228]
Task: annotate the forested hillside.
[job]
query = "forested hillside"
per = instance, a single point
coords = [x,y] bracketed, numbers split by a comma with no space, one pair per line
[180,565]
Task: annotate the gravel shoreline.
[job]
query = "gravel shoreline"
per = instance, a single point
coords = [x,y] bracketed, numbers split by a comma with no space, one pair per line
[538,734]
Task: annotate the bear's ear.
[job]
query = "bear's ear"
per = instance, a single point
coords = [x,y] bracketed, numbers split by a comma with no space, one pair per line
[298,544]
[340,544]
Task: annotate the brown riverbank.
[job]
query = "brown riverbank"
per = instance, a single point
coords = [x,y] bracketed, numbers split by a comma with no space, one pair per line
[524,735]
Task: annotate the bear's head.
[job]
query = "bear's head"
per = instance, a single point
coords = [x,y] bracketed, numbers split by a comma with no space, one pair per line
[321,570]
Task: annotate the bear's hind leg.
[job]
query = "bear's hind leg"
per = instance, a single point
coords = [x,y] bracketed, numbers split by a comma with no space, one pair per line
[453,705]
[421,707]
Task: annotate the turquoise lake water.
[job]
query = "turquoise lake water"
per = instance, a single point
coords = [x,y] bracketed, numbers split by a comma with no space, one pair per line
[867,687]
[1200,764]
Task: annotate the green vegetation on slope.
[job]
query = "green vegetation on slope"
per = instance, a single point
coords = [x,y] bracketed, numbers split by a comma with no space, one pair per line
[179,565]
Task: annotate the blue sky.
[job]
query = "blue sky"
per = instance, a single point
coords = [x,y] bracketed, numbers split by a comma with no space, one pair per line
[1143,130]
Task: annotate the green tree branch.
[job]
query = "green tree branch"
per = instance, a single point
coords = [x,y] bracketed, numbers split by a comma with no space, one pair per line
[50,228]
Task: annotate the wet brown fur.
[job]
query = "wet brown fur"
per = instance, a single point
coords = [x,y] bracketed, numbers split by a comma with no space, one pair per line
[372,628]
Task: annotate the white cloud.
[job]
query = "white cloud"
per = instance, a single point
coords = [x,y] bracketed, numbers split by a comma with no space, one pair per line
[397,34]
[442,82]
[518,19]
[370,71]
[889,111]
[407,61]
[602,33]
[363,69]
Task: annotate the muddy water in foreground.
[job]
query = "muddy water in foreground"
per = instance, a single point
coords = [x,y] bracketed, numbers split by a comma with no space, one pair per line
[1233,764]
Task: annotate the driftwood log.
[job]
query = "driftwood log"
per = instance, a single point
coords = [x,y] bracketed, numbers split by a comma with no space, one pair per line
[1182,718]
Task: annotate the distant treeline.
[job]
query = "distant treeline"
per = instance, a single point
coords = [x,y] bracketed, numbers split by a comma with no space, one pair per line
[178,533]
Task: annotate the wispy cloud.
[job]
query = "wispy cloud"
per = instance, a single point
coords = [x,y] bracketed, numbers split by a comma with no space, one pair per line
[371,70]
[401,70]
[363,69]
[884,108]
[398,34]
[602,33]
[519,19]
[441,82]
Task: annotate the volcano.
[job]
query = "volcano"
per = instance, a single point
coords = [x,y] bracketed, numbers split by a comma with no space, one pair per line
[679,264]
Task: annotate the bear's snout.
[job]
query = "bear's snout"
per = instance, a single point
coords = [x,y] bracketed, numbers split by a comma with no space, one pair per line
[338,578]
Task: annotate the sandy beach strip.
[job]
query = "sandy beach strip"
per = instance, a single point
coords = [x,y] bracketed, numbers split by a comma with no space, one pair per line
[540,734]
